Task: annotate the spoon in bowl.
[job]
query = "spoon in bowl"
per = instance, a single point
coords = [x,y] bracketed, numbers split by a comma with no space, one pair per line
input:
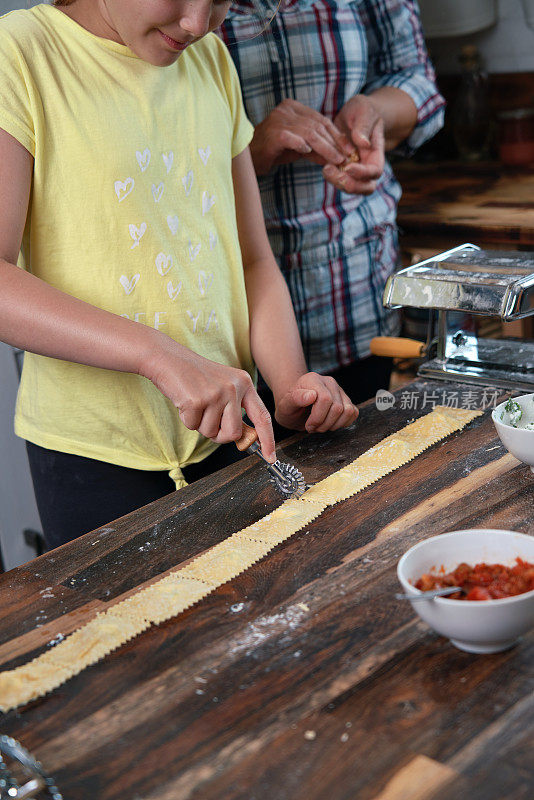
[430,595]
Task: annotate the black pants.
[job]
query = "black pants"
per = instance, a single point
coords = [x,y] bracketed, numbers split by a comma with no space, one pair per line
[75,495]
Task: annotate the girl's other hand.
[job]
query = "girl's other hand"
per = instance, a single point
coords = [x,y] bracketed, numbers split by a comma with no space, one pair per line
[360,120]
[209,396]
[316,403]
[293,131]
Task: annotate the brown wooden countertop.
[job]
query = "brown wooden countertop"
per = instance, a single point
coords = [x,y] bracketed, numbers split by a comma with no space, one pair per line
[488,204]
[302,679]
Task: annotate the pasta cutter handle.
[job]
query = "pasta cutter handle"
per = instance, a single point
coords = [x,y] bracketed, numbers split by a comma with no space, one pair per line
[248,437]
[249,442]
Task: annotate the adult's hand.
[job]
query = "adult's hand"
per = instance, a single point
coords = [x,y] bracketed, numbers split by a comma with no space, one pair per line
[360,120]
[293,131]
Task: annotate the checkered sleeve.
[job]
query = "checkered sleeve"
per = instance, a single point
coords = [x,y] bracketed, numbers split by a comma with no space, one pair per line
[398,58]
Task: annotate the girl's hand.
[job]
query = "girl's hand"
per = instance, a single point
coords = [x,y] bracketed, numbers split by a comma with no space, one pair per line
[209,396]
[315,403]
[361,121]
[293,131]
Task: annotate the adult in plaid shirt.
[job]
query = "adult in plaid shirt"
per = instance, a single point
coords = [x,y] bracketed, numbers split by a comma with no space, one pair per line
[327,79]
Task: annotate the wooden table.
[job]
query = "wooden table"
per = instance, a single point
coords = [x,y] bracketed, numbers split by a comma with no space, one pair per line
[303,678]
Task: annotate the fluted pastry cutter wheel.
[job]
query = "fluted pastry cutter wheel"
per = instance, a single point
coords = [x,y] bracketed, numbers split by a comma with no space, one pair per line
[286,478]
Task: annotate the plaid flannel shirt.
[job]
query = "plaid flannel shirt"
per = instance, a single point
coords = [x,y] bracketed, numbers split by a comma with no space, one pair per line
[335,250]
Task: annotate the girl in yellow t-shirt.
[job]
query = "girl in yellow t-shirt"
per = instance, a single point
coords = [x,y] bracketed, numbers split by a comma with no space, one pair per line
[148,289]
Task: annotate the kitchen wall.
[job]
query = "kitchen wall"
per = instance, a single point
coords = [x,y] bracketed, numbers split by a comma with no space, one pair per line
[10,5]
[17,503]
[508,46]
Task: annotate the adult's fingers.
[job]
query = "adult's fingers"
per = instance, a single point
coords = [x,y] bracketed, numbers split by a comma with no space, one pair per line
[343,181]
[364,124]
[343,142]
[290,140]
[324,146]
[309,118]
[373,153]
[378,140]
[261,419]
[369,169]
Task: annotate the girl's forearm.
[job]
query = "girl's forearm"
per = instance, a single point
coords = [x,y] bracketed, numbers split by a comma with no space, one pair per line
[209,396]
[274,336]
[398,112]
[37,317]
[275,339]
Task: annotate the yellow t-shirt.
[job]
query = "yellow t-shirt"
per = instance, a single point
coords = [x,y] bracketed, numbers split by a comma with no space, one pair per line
[131,209]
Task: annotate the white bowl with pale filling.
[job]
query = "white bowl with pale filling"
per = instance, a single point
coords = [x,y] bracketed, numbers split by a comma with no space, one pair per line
[514,420]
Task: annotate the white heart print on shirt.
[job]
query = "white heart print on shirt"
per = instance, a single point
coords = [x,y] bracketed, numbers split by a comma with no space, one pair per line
[143,159]
[213,239]
[194,250]
[173,291]
[137,233]
[204,154]
[187,182]
[207,202]
[205,279]
[123,188]
[129,284]
[163,264]
[173,223]
[157,191]
[168,158]
[193,319]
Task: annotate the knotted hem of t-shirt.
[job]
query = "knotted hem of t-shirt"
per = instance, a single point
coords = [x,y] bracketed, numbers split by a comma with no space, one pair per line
[177,476]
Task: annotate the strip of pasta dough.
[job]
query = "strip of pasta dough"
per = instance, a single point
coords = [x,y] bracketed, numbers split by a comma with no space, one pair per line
[187,585]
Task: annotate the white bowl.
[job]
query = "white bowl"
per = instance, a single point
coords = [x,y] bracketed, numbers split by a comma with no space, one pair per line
[478,626]
[518,441]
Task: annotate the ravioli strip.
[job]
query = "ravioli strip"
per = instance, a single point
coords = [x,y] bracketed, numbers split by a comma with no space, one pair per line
[185,586]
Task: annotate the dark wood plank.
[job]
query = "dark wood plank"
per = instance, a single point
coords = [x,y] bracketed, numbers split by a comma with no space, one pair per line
[392,706]
[216,701]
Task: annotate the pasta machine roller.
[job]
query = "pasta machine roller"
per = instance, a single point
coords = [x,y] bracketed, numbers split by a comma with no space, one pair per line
[475,281]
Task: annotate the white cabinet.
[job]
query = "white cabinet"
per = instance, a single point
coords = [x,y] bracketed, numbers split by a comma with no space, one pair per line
[11,5]
[18,510]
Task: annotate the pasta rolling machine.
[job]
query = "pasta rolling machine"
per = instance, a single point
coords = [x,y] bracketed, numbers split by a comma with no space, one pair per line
[481,282]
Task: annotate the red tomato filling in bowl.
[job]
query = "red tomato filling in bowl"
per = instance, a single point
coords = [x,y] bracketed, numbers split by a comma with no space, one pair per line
[483,581]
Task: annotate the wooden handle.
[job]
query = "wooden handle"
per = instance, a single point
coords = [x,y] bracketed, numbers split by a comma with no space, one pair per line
[396,347]
[248,437]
